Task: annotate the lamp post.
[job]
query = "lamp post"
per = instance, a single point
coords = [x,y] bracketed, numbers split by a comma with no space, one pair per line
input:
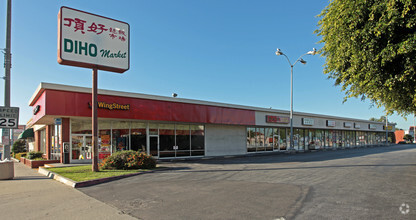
[414,127]
[279,52]
[387,131]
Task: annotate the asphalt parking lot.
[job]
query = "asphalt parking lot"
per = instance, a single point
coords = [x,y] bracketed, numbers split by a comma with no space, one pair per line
[364,183]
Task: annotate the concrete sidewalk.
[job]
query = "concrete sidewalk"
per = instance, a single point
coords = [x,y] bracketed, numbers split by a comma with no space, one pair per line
[31,195]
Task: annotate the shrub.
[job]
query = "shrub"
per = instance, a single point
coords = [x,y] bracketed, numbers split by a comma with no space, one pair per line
[19,155]
[34,154]
[19,146]
[128,160]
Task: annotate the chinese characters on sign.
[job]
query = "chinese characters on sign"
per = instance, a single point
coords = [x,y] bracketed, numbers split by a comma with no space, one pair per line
[92,41]
[78,25]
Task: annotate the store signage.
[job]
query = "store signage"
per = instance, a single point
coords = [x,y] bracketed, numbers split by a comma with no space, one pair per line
[58,121]
[330,123]
[111,106]
[372,126]
[93,41]
[277,119]
[308,121]
[36,109]
[347,124]
[9,117]
[388,127]
[356,125]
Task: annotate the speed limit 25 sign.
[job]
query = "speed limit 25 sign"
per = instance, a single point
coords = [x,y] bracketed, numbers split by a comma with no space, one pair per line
[9,117]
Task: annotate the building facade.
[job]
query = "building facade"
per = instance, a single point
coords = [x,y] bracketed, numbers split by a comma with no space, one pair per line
[168,127]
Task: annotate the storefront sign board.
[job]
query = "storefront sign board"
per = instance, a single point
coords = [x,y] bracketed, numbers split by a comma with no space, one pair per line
[93,41]
[308,121]
[347,124]
[277,119]
[330,123]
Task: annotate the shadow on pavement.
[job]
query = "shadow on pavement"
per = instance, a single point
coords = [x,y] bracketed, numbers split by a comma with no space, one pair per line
[189,170]
[30,178]
[320,155]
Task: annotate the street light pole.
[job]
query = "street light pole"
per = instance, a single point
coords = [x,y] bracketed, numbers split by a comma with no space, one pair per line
[279,52]
[291,148]
[387,132]
[414,127]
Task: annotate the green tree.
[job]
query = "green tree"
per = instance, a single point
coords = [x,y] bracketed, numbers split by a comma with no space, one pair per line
[381,119]
[19,146]
[370,50]
[408,137]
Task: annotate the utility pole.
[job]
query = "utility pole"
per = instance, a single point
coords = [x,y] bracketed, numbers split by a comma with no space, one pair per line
[7,66]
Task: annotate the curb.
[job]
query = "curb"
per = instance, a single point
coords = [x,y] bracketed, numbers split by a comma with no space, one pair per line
[75,184]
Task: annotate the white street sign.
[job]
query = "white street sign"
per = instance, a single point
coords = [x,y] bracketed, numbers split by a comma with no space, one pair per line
[9,117]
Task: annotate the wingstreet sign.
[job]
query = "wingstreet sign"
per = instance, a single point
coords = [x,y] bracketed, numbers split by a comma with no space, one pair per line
[93,41]
[9,117]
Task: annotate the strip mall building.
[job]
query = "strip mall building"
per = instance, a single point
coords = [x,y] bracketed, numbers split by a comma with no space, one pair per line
[168,127]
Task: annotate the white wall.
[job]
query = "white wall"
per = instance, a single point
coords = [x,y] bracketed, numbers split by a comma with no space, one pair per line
[225,140]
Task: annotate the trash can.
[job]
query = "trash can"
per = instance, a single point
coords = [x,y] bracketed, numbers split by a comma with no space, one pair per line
[6,170]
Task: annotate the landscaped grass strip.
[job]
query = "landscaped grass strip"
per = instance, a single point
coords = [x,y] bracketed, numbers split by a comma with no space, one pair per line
[84,173]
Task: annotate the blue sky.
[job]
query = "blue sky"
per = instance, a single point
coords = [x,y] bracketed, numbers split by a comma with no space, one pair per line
[216,50]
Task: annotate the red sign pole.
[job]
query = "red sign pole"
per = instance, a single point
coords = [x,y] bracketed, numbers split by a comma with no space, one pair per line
[94,121]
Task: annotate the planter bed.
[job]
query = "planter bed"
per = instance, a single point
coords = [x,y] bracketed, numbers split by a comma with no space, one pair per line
[36,163]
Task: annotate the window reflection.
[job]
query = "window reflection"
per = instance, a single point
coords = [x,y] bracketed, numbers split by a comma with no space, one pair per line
[138,136]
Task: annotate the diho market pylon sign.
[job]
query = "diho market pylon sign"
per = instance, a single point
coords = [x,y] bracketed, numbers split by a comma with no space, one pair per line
[93,41]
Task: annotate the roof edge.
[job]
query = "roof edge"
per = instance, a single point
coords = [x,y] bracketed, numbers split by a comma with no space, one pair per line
[61,87]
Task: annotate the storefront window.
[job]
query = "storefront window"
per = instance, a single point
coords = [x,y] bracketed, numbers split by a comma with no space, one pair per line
[81,126]
[104,139]
[260,139]
[56,143]
[120,135]
[276,139]
[43,141]
[183,141]
[328,138]
[268,142]
[309,139]
[347,138]
[138,136]
[251,140]
[339,139]
[283,138]
[319,138]
[301,133]
[197,140]
[167,140]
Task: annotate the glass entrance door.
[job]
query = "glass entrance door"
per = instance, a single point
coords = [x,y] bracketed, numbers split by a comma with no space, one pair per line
[81,149]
